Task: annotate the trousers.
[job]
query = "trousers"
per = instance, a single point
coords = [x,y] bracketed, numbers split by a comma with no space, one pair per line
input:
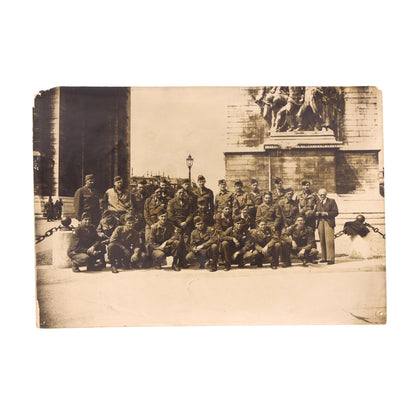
[326,237]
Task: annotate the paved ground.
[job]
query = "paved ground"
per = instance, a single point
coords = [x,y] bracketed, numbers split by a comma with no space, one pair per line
[349,292]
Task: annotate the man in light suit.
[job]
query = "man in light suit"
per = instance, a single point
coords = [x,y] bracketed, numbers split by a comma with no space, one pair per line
[326,211]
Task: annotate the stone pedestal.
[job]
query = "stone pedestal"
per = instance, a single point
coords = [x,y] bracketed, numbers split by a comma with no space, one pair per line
[60,245]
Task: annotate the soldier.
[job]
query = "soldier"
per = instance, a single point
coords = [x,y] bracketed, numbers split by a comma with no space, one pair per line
[49,208]
[240,198]
[204,212]
[203,245]
[164,240]
[127,246]
[87,199]
[138,200]
[167,192]
[152,207]
[236,245]
[278,191]
[307,204]
[223,220]
[58,208]
[249,222]
[109,222]
[180,211]
[202,192]
[255,198]
[326,211]
[85,248]
[117,199]
[266,246]
[302,241]
[189,194]
[287,210]
[223,198]
[267,212]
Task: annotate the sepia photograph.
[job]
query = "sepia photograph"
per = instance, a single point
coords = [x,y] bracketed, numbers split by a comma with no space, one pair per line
[209,206]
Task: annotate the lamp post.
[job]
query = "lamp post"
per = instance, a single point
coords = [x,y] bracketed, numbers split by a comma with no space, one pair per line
[189,163]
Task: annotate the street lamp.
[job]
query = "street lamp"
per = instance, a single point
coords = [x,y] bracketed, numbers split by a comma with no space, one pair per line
[189,163]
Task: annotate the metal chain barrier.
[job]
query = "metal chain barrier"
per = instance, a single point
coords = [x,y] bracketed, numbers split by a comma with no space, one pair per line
[52,230]
[376,230]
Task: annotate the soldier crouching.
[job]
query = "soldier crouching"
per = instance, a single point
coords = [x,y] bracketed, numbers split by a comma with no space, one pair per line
[126,247]
[203,245]
[236,245]
[302,240]
[86,247]
[267,246]
[165,240]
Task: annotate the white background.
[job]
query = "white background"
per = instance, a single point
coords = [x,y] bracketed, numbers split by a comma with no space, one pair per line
[357,370]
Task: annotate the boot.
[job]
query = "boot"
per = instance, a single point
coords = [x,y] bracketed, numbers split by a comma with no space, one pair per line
[76,269]
[175,265]
[304,262]
[114,268]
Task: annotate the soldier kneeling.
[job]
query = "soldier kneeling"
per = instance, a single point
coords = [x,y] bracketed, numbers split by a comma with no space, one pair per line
[204,245]
[86,247]
[302,241]
[126,246]
[165,240]
[266,246]
[236,245]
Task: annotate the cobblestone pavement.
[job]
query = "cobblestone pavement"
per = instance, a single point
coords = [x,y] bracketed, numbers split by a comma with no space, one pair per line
[348,292]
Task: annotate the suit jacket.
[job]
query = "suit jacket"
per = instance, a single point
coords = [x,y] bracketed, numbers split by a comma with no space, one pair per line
[330,206]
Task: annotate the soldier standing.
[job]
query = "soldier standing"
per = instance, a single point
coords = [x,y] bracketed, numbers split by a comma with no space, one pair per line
[223,198]
[87,199]
[287,210]
[117,199]
[267,212]
[180,211]
[307,204]
[240,198]
[152,207]
[278,192]
[202,192]
[255,198]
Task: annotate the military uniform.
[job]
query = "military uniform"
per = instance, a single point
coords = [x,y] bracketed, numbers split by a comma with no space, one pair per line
[222,199]
[287,212]
[87,200]
[208,239]
[123,244]
[270,239]
[208,197]
[304,237]
[240,200]
[307,204]
[254,200]
[106,227]
[180,211]
[165,234]
[267,213]
[277,195]
[152,207]
[117,201]
[249,222]
[138,200]
[232,252]
[221,222]
[85,238]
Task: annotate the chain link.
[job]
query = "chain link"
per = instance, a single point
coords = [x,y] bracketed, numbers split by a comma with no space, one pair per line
[51,231]
[376,230]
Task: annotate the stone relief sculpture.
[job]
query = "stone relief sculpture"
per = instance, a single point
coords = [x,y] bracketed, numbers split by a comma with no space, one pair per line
[287,109]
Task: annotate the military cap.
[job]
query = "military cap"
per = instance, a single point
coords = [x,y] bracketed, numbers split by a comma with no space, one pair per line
[221,181]
[89,177]
[198,219]
[278,180]
[85,215]
[254,181]
[238,182]
[305,181]
[129,218]
[201,178]
[117,178]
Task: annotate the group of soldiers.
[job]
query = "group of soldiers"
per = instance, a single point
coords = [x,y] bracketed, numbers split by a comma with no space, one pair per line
[132,229]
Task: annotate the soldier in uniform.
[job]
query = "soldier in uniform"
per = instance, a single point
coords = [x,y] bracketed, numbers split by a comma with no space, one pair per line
[240,198]
[167,192]
[138,199]
[326,211]
[203,245]
[49,208]
[302,241]
[202,192]
[109,222]
[87,199]
[117,199]
[249,222]
[85,248]
[267,212]
[307,204]
[278,192]
[152,207]
[287,210]
[180,212]
[164,240]
[223,198]
[236,245]
[204,212]
[126,246]
[255,198]
[189,194]
[58,208]
[223,220]
[266,245]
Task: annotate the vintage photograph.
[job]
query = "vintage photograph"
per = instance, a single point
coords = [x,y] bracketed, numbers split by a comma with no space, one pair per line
[172,206]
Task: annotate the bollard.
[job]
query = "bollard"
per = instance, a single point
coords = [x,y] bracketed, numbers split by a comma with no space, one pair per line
[61,241]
